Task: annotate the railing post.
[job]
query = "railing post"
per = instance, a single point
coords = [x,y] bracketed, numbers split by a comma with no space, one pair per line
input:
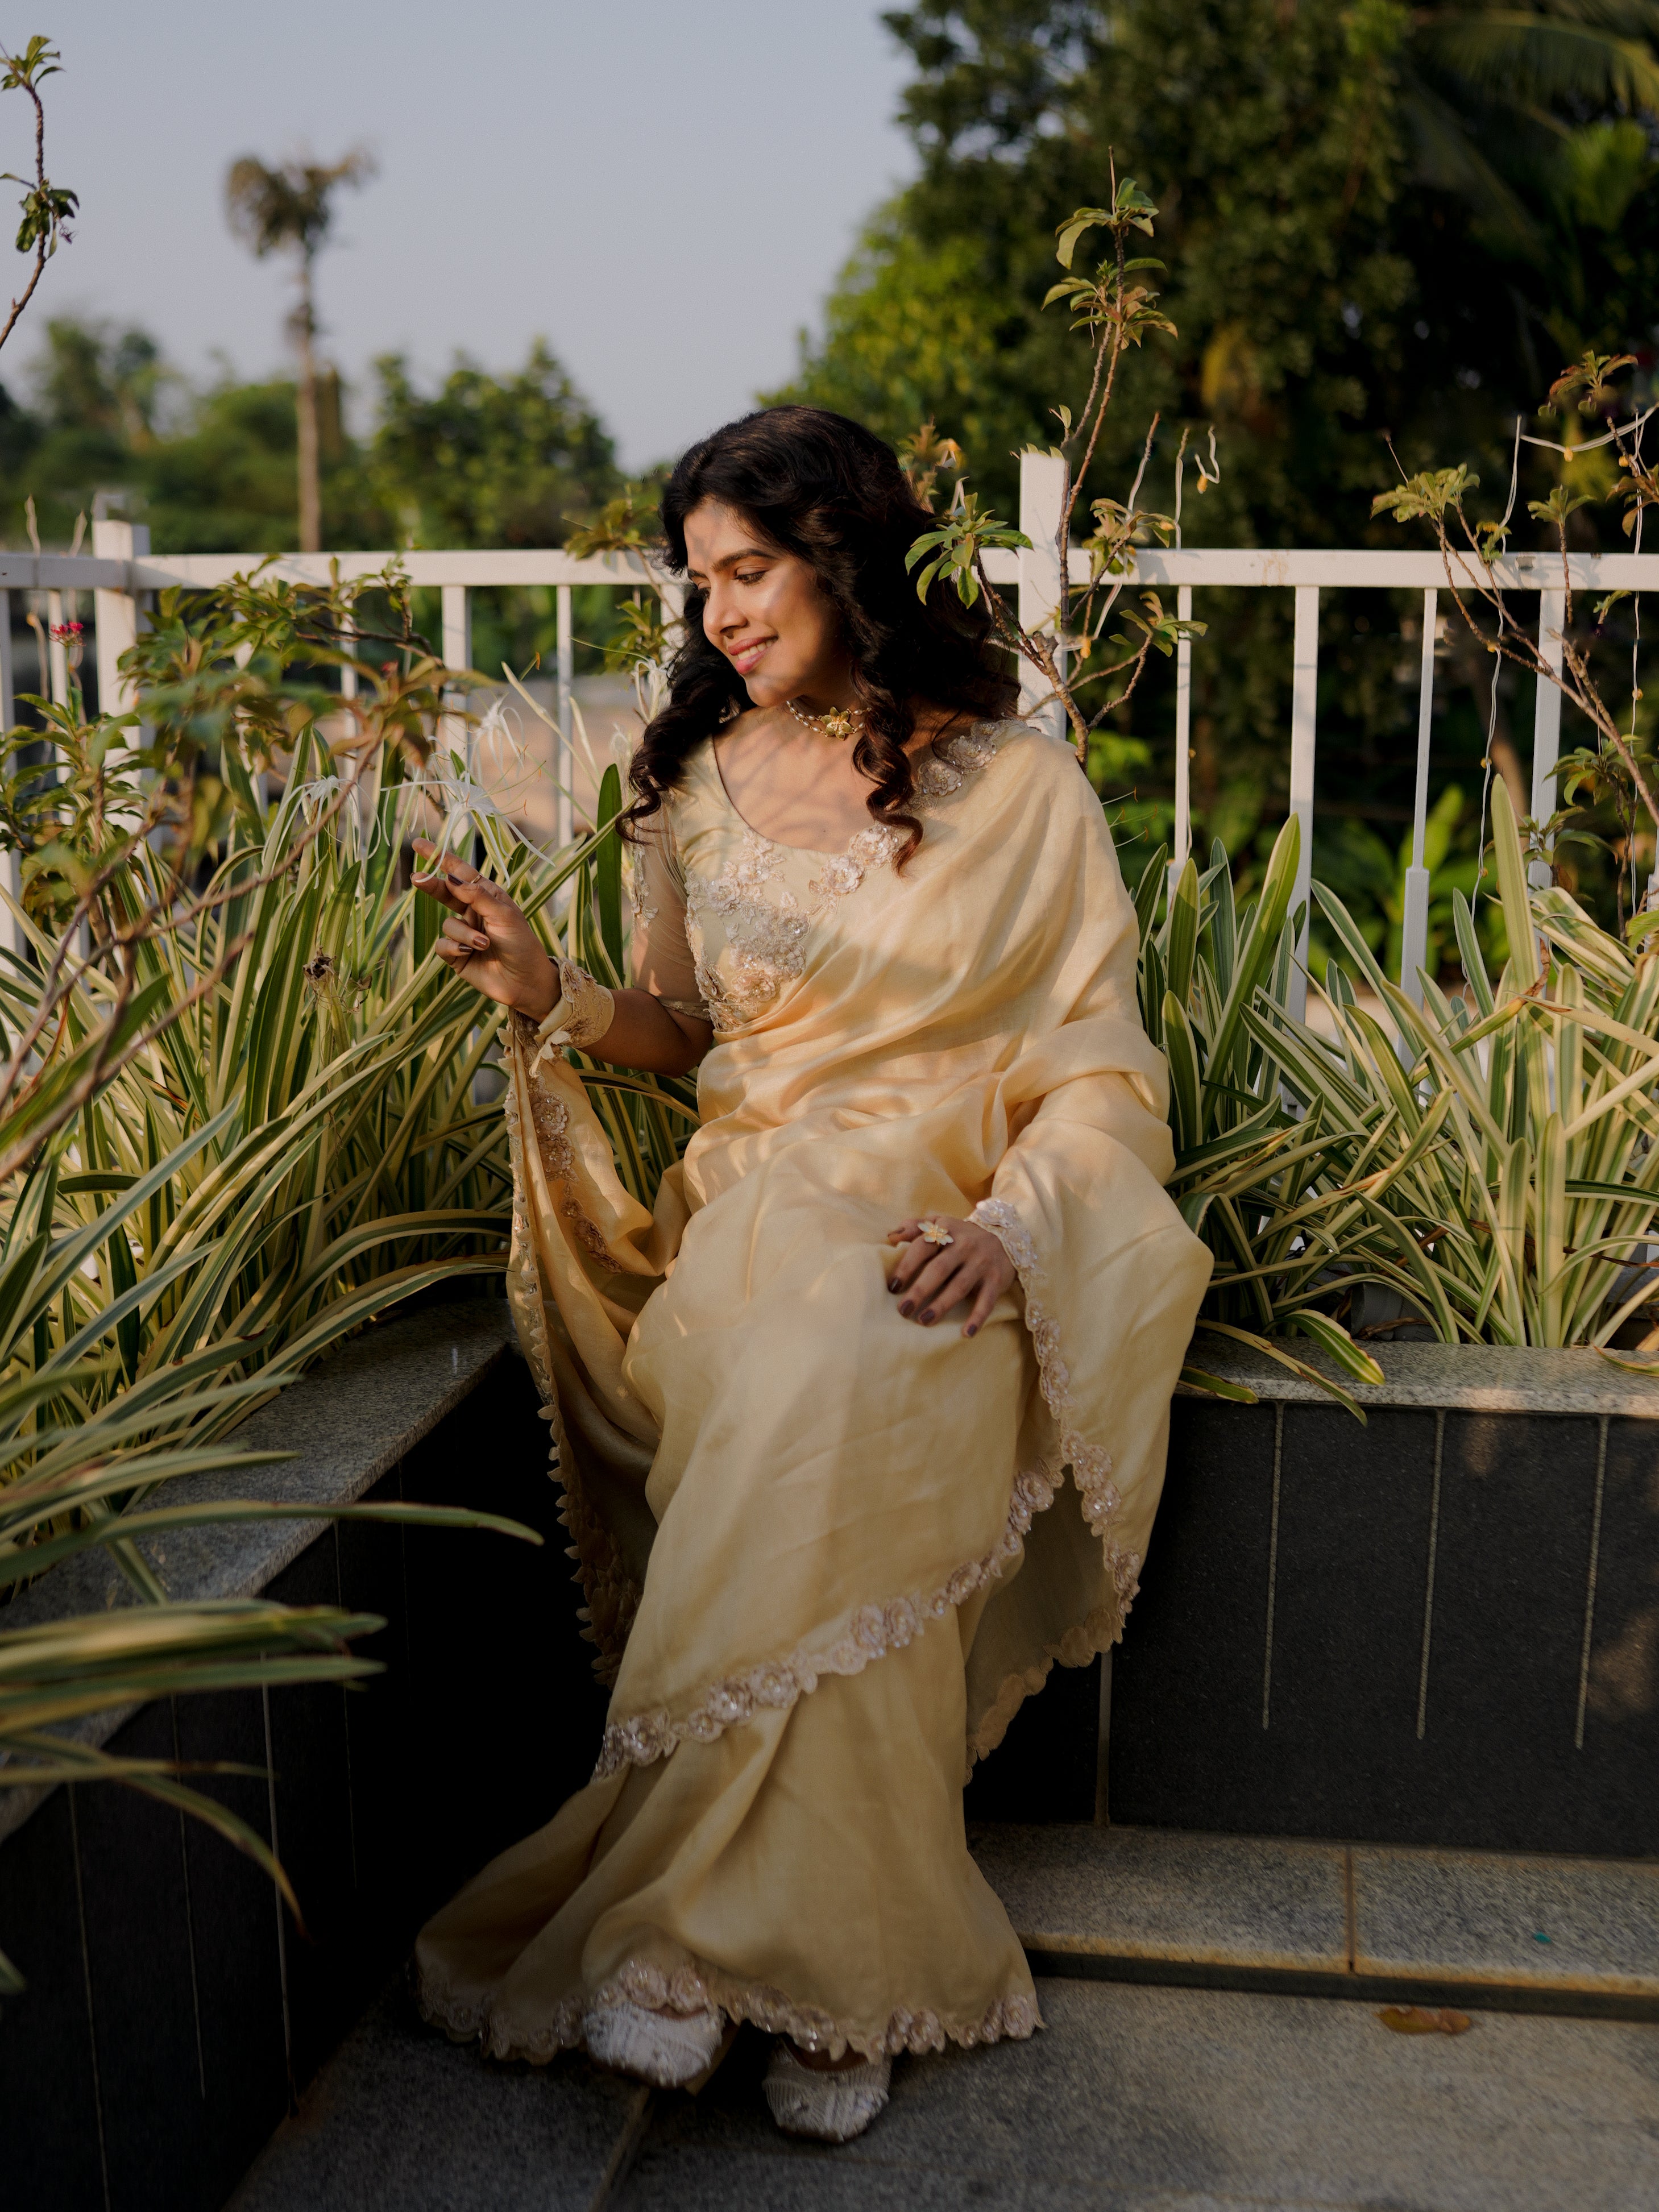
[458,626]
[1547,722]
[1414,934]
[457,655]
[116,615]
[57,650]
[564,752]
[1184,762]
[1304,708]
[671,590]
[1042,584]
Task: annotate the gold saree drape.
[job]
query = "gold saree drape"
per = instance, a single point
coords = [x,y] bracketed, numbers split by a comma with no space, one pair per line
[826,1553]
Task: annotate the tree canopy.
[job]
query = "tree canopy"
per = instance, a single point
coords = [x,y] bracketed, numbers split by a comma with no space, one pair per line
[1382,226]
[1374,219]
[489,460]
[484,459]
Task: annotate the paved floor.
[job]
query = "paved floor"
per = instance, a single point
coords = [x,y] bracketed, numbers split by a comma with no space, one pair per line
[1134,2099]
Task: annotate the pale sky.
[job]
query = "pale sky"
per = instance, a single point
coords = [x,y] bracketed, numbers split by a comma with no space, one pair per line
[664,190]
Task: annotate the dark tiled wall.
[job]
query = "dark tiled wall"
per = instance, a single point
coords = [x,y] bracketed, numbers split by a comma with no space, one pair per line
[173,2010]
[1430,1630]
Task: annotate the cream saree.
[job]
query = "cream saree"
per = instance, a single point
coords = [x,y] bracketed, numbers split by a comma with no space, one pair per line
[825,1553]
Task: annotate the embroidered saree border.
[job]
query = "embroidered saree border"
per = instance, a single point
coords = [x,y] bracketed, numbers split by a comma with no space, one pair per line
[868,1632]
[703,1988]
[610,1597]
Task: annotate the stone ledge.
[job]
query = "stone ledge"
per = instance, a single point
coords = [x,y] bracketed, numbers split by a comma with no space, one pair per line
[1155,1905]
[348,1422]
[1466,1378]
[1480,1920]
[1155,1894]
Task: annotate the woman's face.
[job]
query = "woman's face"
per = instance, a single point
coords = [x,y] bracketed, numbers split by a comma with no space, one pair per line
[764,611]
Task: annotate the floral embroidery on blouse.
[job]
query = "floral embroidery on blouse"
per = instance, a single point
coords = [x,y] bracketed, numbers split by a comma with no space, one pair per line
[634,879]
[766,935]
[942,776]
[842,873]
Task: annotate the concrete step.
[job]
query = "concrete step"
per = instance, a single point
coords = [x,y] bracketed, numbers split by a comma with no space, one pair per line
[1131,2101]
[402,2120]
[1228,2082]
[1501,1932]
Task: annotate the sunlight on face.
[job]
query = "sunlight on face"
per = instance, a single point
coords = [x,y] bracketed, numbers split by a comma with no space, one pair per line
[764,611]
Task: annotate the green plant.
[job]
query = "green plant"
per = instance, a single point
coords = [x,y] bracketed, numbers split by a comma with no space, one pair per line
[1494,1164]
[1069,645]
[1617,768]
[244,1113]
[83,1487]
[1367,873]
[45,208]
[1203,971]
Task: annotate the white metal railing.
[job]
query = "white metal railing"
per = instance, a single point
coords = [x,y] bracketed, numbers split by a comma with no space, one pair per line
[121,570]
[1307,573]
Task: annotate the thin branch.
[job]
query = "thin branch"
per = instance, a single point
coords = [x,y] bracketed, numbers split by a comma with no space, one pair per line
[43,243]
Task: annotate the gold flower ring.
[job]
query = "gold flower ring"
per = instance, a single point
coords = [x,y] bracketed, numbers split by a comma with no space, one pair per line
[935,1232]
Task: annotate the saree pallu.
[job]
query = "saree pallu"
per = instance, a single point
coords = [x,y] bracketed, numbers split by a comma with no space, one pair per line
[826,1553]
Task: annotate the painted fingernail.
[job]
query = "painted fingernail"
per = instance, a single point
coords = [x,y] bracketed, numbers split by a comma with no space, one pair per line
[907,1309]
[927,1317]
[973,1329]
[895,1288]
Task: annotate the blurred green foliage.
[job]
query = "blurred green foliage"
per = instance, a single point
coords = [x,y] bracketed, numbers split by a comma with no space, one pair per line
[1377,221]
[484,460]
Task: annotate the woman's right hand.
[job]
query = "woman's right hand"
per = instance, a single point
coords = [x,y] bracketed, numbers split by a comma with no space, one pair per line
[486,938]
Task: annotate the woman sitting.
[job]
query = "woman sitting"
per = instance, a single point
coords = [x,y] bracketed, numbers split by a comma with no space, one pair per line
[814,1418]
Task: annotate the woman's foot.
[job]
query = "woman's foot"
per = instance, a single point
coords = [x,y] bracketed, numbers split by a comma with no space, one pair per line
[671,2048]
[832,2103]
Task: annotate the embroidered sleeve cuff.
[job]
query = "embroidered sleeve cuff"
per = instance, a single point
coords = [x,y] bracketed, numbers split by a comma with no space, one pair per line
[583,1013]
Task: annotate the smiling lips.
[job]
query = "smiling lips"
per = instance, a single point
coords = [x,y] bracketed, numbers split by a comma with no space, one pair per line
[744,656]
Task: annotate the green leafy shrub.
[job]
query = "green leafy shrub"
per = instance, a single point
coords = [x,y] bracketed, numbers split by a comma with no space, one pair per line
[1491,1161]
[246,1108]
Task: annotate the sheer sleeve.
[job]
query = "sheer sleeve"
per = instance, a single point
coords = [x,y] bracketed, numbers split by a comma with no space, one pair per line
[660,957]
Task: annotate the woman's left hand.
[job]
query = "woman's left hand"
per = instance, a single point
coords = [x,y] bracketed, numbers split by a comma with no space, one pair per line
[930,1278]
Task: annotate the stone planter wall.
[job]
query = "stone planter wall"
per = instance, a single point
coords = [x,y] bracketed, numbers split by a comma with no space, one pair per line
[1440,1628]
[173,2010]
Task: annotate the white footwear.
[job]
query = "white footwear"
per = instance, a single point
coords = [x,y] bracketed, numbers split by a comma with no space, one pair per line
[670,2049]
[833,2107]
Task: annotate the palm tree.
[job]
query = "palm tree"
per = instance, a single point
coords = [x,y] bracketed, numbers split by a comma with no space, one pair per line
[289,209]
[1498,92]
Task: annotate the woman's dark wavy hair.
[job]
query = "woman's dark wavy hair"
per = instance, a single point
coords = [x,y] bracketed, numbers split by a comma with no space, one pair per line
[827,490]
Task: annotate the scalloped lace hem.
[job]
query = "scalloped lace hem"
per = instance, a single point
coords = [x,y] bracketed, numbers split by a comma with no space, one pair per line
[1091,1464]
[610,1596]
[695,1989]
[868,1634]
[1103,1628]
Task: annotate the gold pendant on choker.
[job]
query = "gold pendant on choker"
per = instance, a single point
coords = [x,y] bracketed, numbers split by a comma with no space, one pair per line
[840,722]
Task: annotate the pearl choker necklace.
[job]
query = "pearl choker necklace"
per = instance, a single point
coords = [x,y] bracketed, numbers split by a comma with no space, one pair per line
[840,722]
